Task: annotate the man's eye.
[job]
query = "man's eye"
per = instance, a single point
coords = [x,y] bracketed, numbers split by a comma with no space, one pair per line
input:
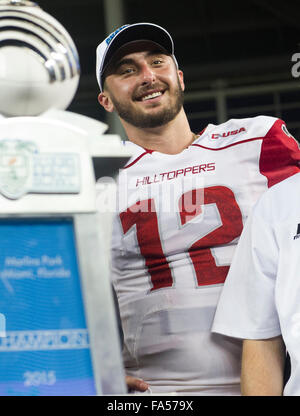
[127,71]
[157,61]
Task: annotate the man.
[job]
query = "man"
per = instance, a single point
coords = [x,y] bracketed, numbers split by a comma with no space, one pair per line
[183,199]
[260,300]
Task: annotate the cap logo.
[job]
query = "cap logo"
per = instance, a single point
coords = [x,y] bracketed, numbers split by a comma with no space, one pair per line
[112,35]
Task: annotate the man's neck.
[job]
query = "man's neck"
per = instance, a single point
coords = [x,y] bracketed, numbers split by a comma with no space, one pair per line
[171,138]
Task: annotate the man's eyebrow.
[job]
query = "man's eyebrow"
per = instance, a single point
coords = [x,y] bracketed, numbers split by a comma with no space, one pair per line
[125,61]
[129,61]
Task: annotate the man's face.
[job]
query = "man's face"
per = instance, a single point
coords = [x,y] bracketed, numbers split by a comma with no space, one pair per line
[143,86]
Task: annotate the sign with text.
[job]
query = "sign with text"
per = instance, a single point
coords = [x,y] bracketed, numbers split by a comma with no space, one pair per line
[45,350]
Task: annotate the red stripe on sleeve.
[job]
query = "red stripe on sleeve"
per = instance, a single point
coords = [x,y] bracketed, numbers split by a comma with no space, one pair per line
[280,154]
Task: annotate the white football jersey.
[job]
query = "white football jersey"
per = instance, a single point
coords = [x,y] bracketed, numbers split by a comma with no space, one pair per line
[179,219]
[261,295]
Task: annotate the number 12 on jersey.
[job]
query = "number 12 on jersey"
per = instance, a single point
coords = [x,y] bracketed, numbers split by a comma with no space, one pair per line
[144,216]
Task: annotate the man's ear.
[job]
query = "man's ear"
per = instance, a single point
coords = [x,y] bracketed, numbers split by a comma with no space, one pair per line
[180,76]
[106,102]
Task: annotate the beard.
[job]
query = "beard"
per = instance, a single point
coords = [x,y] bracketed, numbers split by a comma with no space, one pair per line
[141,120]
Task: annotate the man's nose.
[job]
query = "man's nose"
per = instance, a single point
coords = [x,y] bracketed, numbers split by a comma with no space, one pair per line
[147,74]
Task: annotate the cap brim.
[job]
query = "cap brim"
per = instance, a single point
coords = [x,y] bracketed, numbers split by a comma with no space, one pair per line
[135,32]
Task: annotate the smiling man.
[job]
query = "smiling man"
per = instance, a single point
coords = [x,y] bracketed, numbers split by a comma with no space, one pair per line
[138,105]
[183,200]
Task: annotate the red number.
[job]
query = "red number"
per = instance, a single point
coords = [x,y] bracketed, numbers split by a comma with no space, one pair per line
[143,215]
[207,272]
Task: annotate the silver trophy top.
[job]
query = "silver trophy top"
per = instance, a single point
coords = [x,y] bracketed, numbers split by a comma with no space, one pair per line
[39,64]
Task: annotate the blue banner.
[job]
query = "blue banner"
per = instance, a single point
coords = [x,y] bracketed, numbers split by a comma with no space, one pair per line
[45,350]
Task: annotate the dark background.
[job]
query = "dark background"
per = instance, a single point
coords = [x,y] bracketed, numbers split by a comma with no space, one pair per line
[236,55]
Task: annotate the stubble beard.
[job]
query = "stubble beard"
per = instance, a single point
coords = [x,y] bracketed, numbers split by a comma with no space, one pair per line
[141,120]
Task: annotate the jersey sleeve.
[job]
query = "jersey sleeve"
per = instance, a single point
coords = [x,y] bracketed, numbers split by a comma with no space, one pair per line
[280,154]
[246,307]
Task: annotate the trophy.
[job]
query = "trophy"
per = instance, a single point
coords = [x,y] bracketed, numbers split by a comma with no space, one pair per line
[39,64]
[58,329]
